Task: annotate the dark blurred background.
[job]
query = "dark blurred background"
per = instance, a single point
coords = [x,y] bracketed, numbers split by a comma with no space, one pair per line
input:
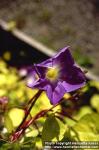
[58,23]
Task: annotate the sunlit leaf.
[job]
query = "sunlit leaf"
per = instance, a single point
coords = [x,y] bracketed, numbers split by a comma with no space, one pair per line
[2,92]
[8,123]
[95,83]
[88,136]
[16,115]
[67,136]
[83,111]
[88,123]
[31,133]
[95,102]
[11,79]
[38,143]
[50,129]
[2,79]
[62,128]
[87,127]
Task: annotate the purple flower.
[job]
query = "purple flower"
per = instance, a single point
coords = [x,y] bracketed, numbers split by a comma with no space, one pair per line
[57,76]
[3,100]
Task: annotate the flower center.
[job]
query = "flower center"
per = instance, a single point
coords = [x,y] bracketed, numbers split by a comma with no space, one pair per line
[52,73]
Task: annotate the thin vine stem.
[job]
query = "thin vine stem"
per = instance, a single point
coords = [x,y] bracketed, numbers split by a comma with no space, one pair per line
[33,100]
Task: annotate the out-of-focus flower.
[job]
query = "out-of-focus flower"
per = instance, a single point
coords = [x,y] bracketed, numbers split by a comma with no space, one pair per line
[32,78]
[23,72]
[3,100]
[3,103]
[57,76]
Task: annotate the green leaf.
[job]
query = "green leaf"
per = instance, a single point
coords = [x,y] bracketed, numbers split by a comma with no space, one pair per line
[38,143]
[51,129]
[10,146]
[16,146]
[88,123]
[2,143]
[82,112]
[88,136]
[13,118]
[87,128]
[63,127]
[28,144]
[16,115]
[68,136]
[8,123]
[95,102]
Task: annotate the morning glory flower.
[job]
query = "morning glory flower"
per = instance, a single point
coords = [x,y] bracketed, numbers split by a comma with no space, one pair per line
[57,76]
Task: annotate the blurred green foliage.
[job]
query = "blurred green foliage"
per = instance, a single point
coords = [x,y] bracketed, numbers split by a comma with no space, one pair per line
[12,86]
[83,60]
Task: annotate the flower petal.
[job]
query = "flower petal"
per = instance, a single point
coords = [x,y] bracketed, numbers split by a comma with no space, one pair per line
[69,87]
[32,79]
[63,58]
[40,70]
[55,94]
[39,84]
[67,76]
[46,63]
[73,75]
